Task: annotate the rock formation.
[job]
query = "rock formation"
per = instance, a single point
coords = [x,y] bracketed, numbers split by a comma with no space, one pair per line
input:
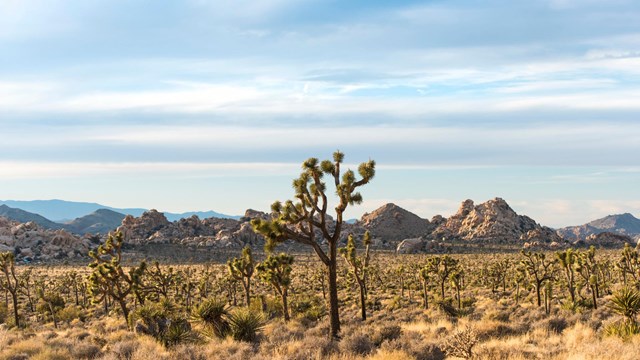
[29,241]
[493,221]
[392,223]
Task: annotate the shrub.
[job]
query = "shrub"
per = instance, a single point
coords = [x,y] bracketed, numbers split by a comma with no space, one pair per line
[386,333]
[213,314]
[461,343]
[246,324]
[85,351]
[359,344]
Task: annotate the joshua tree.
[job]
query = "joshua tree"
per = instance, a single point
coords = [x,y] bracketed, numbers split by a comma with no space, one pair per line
[307,219]
[11,282]
[442,268]
[629,265]
[109,277]
[567,260]
[276,271]
[457,280]
[538,269]
[359,267]
[241,269]
[589,269]
[424,276]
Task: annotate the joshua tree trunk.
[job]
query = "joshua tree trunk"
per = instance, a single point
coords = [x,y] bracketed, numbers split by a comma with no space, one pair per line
[285,306]
[426,294]
[334,314]
[14,297]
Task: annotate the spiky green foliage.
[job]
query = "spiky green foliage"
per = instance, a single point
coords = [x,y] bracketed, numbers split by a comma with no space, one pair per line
[10,282]
[246,324]
[213,314]
[163,322]
[275,270]
[241,269]
[626,302]
[109,277]
[305,218]
[359,267]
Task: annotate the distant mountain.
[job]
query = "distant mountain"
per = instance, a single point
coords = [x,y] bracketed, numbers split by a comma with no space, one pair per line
[200,214]
[25,216]
[625,224]
[101,221]
[64,211]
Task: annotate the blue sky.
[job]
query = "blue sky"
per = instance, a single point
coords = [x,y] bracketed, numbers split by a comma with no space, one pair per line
[196,104]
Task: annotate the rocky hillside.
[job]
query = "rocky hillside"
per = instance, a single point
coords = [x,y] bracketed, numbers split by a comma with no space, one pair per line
[29,241]
[153,227]
[391,223]
[101,221]
[624,224]
[494,221]
[22,216]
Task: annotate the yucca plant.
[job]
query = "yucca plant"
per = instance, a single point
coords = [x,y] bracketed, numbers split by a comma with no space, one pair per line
[626,302]
[214,315]
[246,324]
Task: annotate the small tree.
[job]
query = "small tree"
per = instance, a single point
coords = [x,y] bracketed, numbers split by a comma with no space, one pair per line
[308,218]
[11,282]
[241,269]
[538,269]
[276,271]
[442,267]
[424,276]
[109,277]
[567,260]
[359,267]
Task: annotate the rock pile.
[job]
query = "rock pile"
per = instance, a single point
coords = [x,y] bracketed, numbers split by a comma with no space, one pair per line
[29,241]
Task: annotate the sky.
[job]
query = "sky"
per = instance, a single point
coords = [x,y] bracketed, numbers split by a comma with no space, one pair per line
[213,105]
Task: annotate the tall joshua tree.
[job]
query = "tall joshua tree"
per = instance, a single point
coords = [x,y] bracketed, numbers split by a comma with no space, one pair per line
[241,269]
[306,220]
[109,278]
[359,266]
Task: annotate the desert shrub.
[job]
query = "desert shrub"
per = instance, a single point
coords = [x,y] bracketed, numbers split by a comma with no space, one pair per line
[70,313]
[621,328]
[124,349]
[461,343]
[229,350]
[85,351]
[162,323]
[52,354]
[245,324]
[188,352]
[312,309]
[359,344]
[386,333]
[554,324]
[213,314]
[415,345]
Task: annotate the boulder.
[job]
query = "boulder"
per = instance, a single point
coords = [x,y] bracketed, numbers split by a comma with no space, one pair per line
[410,246]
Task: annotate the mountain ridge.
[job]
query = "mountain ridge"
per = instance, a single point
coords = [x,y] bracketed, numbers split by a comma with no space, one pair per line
[62,211]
